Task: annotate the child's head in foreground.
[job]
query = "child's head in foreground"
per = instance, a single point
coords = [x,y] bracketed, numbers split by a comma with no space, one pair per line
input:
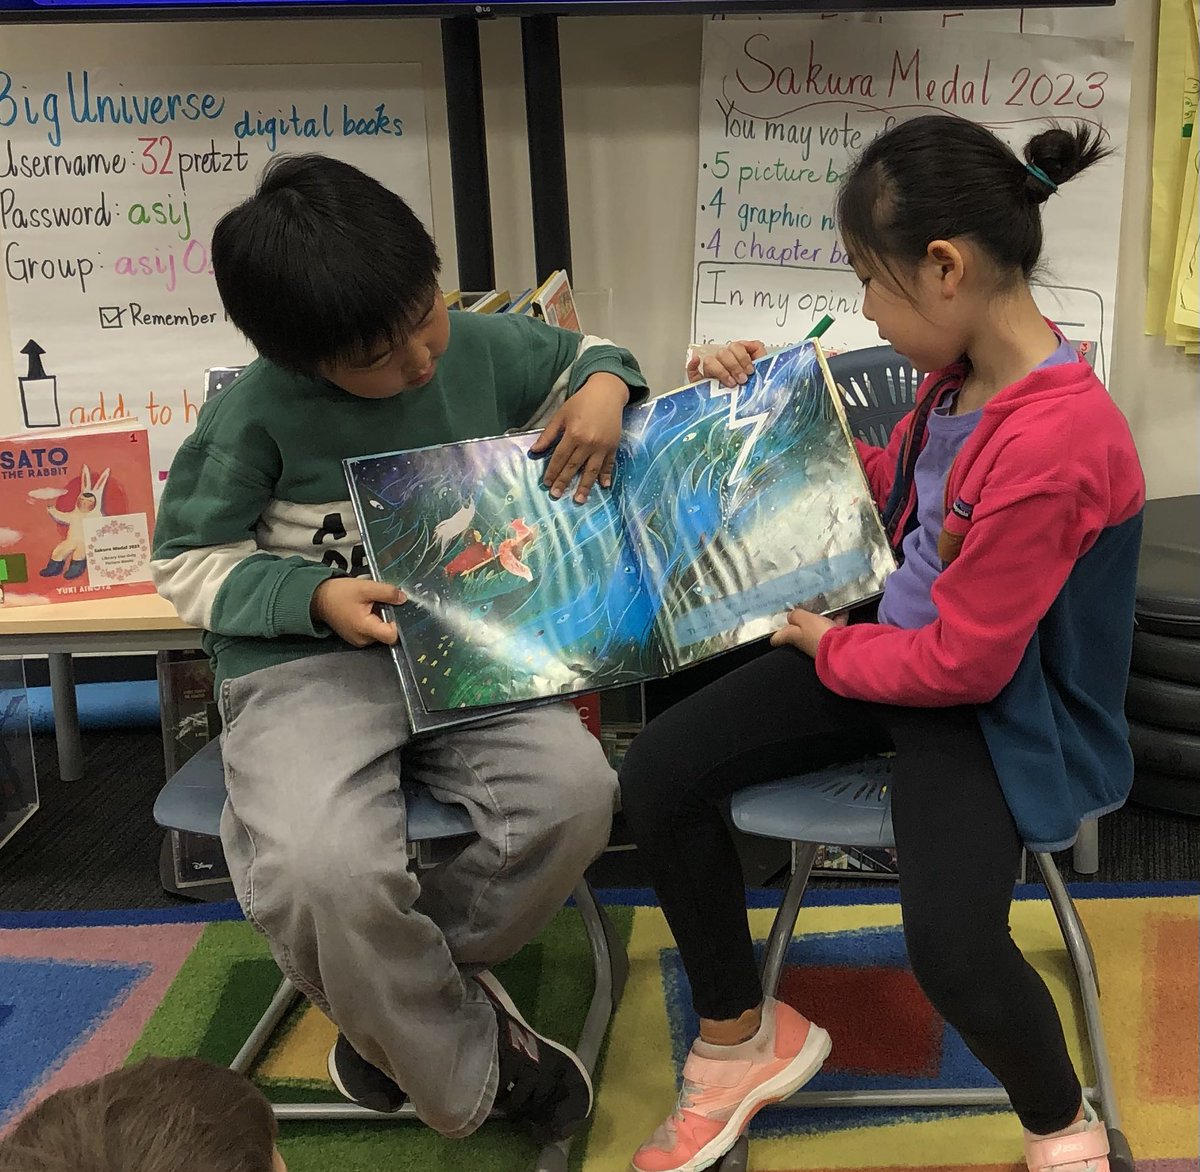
[329,274]
[159,1115]
[942,222]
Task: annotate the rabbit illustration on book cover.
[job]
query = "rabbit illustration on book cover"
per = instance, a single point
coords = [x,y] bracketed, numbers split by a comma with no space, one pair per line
[69,556]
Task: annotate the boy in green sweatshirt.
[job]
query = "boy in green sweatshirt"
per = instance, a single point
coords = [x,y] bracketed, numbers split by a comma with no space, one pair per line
[335,282]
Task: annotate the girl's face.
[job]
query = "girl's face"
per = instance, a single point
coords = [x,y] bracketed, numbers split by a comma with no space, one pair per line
[920,310]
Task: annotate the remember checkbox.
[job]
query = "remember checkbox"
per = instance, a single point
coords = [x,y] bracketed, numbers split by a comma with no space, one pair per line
[112,317]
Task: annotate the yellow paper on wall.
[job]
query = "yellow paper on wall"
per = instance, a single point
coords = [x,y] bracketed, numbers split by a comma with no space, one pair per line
[1187,287]
[1175,96]
[1191,90]
[1182,319]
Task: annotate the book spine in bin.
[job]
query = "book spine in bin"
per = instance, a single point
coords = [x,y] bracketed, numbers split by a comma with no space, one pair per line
[588,707]
[197,860]
[190,719]
[849,862]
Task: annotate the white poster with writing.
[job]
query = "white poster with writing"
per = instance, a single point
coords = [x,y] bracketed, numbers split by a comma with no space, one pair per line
[785,107]
[111,181]
[1093,23]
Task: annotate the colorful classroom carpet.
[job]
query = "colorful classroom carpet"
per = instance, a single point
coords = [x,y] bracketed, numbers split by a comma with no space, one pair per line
[80,994]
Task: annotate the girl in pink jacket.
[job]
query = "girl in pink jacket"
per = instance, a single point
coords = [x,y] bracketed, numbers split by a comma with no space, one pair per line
[994,667]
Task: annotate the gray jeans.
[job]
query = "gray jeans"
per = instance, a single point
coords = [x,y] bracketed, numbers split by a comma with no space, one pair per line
[314,833]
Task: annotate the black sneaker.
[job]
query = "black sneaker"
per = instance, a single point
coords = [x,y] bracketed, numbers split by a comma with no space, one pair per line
[362,1083]
[542,1085]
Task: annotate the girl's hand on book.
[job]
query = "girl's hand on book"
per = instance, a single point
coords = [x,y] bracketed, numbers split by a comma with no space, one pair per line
[584,432]
[804,630]
[349,607]
[731,365]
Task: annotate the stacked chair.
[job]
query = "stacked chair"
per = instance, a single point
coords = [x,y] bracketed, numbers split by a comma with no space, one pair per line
[1163,701]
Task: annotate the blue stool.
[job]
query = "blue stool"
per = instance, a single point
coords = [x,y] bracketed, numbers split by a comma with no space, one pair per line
[192,801]
[850,805]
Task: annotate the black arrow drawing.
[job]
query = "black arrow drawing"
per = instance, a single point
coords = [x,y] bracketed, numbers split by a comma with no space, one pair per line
[34,353]
[39,390]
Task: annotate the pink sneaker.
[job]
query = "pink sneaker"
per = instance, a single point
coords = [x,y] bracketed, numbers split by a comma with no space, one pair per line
[1082,1151]
[723,1086]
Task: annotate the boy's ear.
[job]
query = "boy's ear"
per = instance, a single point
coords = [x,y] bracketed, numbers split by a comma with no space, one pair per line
[86,480]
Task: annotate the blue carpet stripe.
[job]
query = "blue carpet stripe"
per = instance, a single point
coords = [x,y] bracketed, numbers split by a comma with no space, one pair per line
[203,913]
[879,892]
[885,891]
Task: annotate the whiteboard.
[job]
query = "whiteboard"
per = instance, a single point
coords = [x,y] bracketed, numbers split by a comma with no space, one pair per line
[111,181]
[787,104]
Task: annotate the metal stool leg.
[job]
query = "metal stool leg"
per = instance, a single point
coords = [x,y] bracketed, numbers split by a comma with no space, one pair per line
[1085,855]
[737,1159]
[610,966]
[285,997]
[1079,949]
[607,967]
[620,957]
[783,927]
[338,1113]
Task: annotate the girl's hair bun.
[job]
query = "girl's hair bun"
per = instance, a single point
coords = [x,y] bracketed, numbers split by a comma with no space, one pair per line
[1061,153]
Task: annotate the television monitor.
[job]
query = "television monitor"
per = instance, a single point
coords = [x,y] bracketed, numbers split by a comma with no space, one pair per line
[33,11]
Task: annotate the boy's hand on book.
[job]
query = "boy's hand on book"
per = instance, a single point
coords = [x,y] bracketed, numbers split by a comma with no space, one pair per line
[731,365]
[349,607]
[586,430]
[804,630]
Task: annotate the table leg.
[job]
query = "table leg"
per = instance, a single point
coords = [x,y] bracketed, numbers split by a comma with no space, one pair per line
[66,717]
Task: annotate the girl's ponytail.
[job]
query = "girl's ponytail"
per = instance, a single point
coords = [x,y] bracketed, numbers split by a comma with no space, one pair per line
[1059,154]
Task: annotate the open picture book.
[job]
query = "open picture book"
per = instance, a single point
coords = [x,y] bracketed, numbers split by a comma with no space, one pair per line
[728,508]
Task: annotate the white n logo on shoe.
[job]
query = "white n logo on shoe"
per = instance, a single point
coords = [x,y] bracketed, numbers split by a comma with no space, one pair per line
[524,1040]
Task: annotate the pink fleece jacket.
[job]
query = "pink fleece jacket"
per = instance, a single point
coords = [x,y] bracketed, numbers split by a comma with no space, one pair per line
[1050,465]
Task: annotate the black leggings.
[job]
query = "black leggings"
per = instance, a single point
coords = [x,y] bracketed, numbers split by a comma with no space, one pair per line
[956,841]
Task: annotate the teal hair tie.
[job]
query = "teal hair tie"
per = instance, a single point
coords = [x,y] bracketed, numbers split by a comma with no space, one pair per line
[1041,176]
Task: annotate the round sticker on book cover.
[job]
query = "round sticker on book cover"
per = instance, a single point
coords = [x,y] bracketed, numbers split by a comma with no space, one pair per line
[118,550]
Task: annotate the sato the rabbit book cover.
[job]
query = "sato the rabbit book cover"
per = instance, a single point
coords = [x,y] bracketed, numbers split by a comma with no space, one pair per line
[76,514]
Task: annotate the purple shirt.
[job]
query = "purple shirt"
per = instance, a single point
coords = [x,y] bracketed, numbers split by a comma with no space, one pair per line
[907,601]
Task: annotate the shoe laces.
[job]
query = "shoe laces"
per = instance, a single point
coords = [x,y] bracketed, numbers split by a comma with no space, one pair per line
[666,1133]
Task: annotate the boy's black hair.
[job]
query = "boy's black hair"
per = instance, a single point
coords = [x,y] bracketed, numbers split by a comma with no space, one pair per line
[938,177]
[323,264]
